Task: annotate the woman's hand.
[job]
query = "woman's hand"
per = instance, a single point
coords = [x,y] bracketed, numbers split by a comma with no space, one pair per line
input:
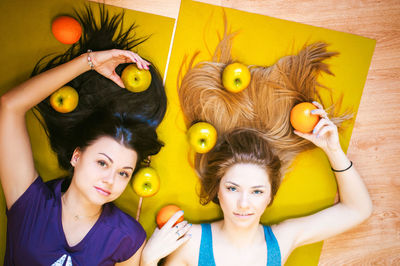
[325,134]
[165,240]
[105,63]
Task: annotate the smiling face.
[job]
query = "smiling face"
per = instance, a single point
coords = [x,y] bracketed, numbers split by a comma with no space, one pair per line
[102,170]
[244,193]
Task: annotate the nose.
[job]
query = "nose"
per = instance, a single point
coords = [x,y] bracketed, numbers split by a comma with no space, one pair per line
[243,201]
[108,178]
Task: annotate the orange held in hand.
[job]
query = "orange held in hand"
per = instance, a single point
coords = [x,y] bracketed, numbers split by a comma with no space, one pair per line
[301,118]
[166,213]
[66,29]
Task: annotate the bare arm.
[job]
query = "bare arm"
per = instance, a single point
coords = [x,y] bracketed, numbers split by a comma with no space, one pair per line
[354,207]
[17,170]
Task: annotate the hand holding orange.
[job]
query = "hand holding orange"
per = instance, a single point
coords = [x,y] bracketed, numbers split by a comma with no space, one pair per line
[165,213]
[302,119]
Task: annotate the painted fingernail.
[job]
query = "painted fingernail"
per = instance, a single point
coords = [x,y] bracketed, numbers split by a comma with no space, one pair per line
[313,111]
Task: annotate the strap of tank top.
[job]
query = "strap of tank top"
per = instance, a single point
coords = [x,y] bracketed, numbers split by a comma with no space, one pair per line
[274,253]
[206,254]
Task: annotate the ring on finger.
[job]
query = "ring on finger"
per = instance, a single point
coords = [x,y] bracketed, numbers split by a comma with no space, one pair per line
[178,233]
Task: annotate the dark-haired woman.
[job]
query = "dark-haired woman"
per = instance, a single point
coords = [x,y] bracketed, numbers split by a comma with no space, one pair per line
[78,226]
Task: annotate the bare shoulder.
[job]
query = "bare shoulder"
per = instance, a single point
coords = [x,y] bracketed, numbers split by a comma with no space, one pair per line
[284,236]
[188,253]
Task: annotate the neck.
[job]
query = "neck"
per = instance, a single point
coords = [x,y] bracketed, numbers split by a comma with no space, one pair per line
[239,236]
[77,206]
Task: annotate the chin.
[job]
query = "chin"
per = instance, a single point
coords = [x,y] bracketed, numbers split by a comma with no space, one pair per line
[245,221]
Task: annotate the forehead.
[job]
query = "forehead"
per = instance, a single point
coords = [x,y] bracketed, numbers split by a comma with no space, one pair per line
[113,149]
[246,175]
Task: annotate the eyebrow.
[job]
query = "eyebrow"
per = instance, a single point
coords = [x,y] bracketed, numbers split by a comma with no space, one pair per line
[259,186]
[111,160]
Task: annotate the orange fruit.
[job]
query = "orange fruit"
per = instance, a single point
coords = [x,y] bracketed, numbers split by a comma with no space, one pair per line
[301,118]
[166,213]
[66,29]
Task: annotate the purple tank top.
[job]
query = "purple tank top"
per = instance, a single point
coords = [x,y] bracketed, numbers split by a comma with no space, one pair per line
[35,235]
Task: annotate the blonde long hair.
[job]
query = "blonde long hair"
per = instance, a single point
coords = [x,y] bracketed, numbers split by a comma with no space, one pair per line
[264,106]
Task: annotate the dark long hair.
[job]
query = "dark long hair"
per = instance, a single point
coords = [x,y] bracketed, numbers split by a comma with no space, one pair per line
[136,114]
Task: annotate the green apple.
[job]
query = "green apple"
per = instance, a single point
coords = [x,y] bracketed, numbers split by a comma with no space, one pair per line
[202,137]
[236,77]
[146,182]
[64,100]
[135,79]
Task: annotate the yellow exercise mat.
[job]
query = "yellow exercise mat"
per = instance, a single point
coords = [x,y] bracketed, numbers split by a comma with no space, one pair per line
[26,37]
[262,40]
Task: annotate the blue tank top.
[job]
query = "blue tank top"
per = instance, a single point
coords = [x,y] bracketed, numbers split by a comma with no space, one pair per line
[206,254]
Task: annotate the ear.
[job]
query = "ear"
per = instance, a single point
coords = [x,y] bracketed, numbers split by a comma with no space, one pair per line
[75,156]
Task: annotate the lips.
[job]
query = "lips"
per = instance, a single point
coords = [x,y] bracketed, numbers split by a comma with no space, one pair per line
[243,215]
[102,191]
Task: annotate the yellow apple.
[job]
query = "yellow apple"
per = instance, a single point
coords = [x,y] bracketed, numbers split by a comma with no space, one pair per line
[236,77]
[202,137]
[135,79]
[146,182]
[64,100]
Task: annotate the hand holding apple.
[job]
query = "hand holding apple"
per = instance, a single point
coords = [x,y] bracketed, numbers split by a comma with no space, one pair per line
[64,100]
[236,77]
[135,79]
[202,137]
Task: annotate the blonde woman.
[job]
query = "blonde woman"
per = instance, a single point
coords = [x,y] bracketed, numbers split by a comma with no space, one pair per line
[242,173]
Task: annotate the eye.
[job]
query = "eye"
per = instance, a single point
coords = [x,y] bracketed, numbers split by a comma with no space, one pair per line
[231,188]
[258,192]
[102,163]
[124,174]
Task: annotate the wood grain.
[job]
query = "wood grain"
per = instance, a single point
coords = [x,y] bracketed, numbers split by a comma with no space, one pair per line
[375,143]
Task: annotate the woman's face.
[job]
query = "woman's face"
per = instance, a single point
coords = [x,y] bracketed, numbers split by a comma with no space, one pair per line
[244,193]
[103,170]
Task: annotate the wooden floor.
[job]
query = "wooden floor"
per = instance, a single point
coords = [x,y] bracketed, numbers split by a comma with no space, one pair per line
[375,143]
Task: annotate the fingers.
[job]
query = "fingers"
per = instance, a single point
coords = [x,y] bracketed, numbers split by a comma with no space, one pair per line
[135,58]
[182,228]
[140,62]
[318,105]
[321,112]
[173,219]
[322,123]
[117,79]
